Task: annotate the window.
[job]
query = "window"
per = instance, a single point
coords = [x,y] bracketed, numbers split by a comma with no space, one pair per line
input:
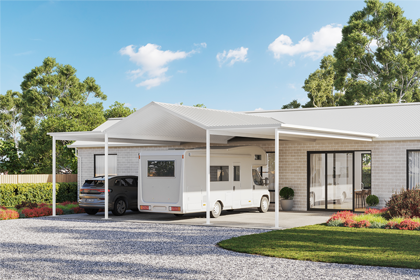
[131,182]
[413,169]
[99,163]
[366,171]
[219,173]
[236,173]
[257,157]
[256,176]
[160,168]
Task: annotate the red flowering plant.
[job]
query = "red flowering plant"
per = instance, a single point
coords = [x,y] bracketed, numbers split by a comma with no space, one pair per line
[375,211]
[408,224]
[78,210]
[350,223]
[343,216]
[8,214]
[40,212]
[391,225]
[362,224]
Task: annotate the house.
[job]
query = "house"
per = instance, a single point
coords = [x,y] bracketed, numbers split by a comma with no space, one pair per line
[332,157]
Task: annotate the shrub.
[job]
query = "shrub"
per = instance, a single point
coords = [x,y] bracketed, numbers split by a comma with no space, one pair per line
[40,212]
[26,204]
[372,200]
[12,194]
[78,210]
[287,193]
[343,216]
[405,204]
[375,211]
[8,214]
[408,224]
[335,223]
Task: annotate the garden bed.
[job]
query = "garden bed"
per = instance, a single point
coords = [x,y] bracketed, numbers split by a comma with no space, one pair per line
[30,210]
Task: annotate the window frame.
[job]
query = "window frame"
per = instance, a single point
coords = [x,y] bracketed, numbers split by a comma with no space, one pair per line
[94,163]
[406,167]
[218,166]
[161,177]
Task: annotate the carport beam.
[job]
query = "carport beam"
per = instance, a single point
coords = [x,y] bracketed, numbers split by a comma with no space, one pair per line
[276,179]
[53,178]
[106,176]
[208,176]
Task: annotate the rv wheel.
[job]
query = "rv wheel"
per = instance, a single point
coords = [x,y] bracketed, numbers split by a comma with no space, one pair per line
[217,210]
[263,205]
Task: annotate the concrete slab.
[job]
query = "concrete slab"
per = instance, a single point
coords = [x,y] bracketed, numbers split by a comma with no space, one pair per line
[243,218]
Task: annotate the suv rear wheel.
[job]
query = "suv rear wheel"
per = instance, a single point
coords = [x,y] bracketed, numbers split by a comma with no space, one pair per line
[119,207]
[91,211]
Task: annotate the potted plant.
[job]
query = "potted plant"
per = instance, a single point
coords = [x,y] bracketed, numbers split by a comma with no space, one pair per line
[287,195]
[372,200]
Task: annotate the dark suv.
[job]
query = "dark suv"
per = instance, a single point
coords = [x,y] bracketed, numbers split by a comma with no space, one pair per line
[122,194]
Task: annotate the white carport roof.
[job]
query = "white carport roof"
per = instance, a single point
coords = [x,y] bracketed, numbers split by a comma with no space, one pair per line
[170,124]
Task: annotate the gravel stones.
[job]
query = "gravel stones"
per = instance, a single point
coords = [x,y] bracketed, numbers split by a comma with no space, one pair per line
[54,248]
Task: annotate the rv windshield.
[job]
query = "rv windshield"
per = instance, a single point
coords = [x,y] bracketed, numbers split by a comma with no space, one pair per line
[257,177]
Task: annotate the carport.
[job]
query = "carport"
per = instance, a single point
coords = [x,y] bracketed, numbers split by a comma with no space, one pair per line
[170,125]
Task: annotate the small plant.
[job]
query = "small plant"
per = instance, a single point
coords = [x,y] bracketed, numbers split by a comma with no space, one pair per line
[362,224]
[287,193]
[372,200]
[408,225]
[8,214]
[335,223]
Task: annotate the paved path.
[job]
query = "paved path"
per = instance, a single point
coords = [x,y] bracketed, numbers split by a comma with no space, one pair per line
[57,248]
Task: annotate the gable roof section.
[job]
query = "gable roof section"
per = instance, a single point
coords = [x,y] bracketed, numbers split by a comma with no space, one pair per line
[388,121]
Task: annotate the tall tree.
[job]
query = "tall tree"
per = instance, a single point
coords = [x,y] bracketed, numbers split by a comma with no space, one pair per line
[55,100]
[294,104]
[381,49]
[320,85]
[118,110]
[10,116]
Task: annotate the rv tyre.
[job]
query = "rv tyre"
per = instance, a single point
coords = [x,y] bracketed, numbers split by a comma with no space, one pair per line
[264,205]
[216,211]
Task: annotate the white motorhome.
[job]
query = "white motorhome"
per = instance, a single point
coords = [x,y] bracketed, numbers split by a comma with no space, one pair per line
[174,181]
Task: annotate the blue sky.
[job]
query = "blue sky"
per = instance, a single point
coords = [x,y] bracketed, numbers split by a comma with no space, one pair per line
[237,56]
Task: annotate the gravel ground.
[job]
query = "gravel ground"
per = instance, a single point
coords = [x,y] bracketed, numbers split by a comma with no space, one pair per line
[54,248]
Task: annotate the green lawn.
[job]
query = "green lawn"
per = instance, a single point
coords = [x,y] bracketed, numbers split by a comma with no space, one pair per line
[321,243]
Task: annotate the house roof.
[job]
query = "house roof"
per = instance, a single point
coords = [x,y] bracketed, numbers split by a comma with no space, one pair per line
[388,121]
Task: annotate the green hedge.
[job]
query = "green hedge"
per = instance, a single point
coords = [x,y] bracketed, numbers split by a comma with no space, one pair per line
[12,194]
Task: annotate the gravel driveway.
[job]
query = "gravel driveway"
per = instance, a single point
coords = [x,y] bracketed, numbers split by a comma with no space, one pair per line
[54,248]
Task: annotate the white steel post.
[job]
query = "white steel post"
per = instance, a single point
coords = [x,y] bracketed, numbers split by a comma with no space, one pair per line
[208,176]
[53,178]
[106,176]
[276,179]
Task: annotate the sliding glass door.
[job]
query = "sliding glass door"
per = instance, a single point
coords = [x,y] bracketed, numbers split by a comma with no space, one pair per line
[330,180]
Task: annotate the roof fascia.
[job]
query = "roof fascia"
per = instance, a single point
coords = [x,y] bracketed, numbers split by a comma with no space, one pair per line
[397,138]
[322,135]
[335,131]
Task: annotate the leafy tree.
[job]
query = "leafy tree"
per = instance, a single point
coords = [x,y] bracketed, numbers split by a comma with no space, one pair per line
[196,105]
[55,100]
[118,110]
[320,85]
[9,157]
[380,54]
[292,105]
[10,116]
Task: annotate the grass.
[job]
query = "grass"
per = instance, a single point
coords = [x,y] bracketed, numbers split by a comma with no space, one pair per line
[321,243]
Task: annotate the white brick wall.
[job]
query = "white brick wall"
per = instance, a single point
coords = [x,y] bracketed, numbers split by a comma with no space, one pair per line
[388,163]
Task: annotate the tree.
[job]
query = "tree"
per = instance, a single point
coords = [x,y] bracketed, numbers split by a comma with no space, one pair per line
[196,105]
[292,105]
[320,85]
[10,116]
[9,157]
[118,110]
[55,100]
[380,53]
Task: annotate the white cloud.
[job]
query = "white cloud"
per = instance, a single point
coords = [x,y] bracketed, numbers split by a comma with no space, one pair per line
[292,86]
[127,104]
[182,71]
[259,109]
[323,41]
[292,63]
[153,62]
[232,56]
[203,45]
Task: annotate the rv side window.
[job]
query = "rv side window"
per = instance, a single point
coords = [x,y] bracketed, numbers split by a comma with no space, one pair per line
[219,173]
[236,173]
[257,177]
[160,168]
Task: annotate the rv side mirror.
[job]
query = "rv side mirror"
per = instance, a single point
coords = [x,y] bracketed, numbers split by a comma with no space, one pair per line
[266,181]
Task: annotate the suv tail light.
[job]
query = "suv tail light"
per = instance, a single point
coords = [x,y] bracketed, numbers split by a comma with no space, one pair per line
[174,208]
[145,207]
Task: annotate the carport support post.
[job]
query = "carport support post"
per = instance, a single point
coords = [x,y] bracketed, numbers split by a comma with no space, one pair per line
[208,176]
[53,177]
[276,179]
[106,176]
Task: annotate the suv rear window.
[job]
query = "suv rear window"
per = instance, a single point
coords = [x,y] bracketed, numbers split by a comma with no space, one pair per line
[94,183]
